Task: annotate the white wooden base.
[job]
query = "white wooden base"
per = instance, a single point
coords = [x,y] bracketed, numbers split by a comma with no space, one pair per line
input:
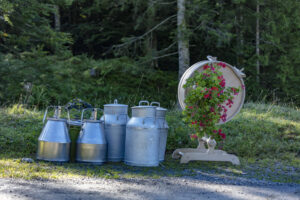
[189,154]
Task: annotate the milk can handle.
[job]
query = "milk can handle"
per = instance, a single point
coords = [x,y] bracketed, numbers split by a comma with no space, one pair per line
[46,112]
[147,102]
[94,109]
[57,107]
[155,103]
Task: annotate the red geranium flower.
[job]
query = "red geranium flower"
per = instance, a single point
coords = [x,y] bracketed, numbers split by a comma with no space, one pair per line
[222,64]
[193,136]
[215,88]
[223,135]
[222,83]
[206,67]
[223,117]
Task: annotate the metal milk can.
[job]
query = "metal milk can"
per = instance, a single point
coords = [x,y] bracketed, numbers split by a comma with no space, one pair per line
[163,129]
[91,143]
[54,140]
[142,137]
[115,118]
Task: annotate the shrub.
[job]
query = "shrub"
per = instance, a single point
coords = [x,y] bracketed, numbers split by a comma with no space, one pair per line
[38,79]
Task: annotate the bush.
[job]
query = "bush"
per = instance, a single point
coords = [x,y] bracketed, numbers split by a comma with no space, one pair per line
[38,79]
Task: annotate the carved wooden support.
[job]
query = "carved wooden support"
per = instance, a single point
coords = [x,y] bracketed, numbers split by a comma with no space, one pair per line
[203,154]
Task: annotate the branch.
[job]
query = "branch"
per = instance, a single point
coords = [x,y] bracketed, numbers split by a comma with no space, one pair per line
[217,30]
[142,36]
[165,3]
[166,55]
[167,48]
[158,57]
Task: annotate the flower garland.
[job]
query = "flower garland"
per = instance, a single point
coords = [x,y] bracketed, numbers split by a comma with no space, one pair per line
[207,101]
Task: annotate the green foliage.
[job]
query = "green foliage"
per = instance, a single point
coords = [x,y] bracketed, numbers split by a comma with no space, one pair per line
[178,136]
[141,34]
[38,80]
[28,26]
[205,101]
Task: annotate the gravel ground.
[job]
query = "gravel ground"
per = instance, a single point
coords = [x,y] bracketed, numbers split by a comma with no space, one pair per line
[197,187]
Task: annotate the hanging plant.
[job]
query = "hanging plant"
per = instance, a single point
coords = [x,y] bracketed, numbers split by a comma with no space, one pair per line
[207,101]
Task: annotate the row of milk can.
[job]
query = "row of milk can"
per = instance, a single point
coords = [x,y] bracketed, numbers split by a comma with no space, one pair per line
[139,141]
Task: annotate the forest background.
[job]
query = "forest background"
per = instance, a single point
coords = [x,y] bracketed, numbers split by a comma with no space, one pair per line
[52,51]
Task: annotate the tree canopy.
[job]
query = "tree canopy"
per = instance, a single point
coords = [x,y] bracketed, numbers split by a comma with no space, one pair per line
[52,51]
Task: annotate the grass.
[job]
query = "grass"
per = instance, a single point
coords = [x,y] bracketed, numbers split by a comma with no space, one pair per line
[265,137]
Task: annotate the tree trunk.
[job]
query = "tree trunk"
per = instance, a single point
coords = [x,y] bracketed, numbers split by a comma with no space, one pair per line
[183,40]
[240,37]
[56,18]
[151,42]
[257,43]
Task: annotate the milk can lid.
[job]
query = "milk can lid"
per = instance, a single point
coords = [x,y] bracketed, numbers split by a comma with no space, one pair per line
[56,119]
[233,77]
[144,106]
[93,121]
[115,104]
[157,105]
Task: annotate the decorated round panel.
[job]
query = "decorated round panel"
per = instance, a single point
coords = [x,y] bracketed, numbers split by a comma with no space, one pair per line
[233,78]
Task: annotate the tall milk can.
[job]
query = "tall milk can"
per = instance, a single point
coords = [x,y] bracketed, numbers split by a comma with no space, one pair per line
[163,129]
[142,137]
[54,140]
[115,118]
[91,143]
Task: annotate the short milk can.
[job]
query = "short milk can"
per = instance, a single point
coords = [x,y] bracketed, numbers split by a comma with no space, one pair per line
[54,140]
[115,118]
[142,137]
[163,129]
[91,142]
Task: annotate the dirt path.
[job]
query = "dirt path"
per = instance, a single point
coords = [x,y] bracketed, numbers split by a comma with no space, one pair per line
[163,188]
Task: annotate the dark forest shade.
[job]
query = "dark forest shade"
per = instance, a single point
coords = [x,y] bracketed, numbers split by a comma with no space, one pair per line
[48,49]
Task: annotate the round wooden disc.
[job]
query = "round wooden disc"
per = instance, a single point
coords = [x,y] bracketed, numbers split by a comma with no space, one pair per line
[232,77]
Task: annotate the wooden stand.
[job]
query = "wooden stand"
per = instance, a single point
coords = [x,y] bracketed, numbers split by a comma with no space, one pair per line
[201,153]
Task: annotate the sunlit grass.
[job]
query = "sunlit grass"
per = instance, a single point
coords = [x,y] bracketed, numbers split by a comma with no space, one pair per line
[265,137]
[266,169]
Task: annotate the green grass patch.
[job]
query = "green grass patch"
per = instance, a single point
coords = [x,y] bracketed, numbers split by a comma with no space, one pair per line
[265,137]
[259,131]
